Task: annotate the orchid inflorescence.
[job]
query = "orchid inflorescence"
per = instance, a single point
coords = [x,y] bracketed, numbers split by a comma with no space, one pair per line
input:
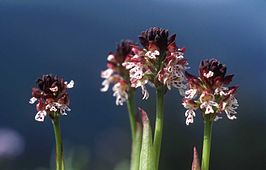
[158,62]
[116,73]
[209,92]
[51,96]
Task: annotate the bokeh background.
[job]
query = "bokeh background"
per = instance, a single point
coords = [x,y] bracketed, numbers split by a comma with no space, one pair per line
[72,39]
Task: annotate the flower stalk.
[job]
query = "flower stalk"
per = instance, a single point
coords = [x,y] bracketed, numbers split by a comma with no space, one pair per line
[132,112]
[135,134]
[158,133]
[206,144]
[59,144]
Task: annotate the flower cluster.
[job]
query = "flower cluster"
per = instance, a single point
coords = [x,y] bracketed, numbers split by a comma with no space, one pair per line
[51,96]
[116,73]
[209,92]
[160,62]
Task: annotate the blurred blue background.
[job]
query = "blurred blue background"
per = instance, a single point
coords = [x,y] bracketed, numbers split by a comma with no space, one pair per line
[72,39]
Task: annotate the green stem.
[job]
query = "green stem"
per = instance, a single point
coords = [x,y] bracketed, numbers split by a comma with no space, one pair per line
[132,112]
[59,145]
[206,145]
[136,141]
[158,124]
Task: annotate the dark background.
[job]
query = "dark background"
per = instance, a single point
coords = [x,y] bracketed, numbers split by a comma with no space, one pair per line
[72,39]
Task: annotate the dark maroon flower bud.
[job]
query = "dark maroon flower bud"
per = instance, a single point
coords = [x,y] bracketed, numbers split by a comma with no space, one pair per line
[227,79]
[193,81]
[64,99]
[36,93]
[123,50]
[156,38]
[212,72]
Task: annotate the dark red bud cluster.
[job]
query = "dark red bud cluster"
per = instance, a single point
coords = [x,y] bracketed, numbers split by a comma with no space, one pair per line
[156,38]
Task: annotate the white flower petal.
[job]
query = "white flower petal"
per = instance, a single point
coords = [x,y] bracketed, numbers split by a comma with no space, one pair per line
[106,73]
[53,109]
[70,84]
[190,114]
[209,109]
[191,93]
[33,100]
[40,116]
[106,84]
[110,57]
[120,93]
[208,75]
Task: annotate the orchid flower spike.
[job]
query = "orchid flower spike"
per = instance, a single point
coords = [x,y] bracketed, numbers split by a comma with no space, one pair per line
[209,92]
[116,73]
[51,97]
[159,62]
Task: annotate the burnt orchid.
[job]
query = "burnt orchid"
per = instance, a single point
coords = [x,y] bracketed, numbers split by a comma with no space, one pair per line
[210,93]
[159,62]
[117,74]
[51,97]
[52,100]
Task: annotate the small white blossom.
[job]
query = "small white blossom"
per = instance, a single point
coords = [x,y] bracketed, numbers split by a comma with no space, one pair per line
[128,65]
[190,94]
[110,57]
[208,75]
[221,91]
[107,73]
[106,84]
[33,100]
[63,109]
[40,116]
[208,106]
[120,93]
[173,73]
[136,72]
[190,114]
[152,54]
[144,90]
[229,107]
[136,75]
[70,84]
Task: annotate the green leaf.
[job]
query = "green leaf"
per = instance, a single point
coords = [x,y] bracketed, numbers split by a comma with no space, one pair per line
[136,148]
[146,154]
[196,161]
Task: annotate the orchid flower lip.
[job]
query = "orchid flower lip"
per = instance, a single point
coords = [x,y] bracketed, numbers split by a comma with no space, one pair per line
[40,116]
[70,84]
[33,100]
